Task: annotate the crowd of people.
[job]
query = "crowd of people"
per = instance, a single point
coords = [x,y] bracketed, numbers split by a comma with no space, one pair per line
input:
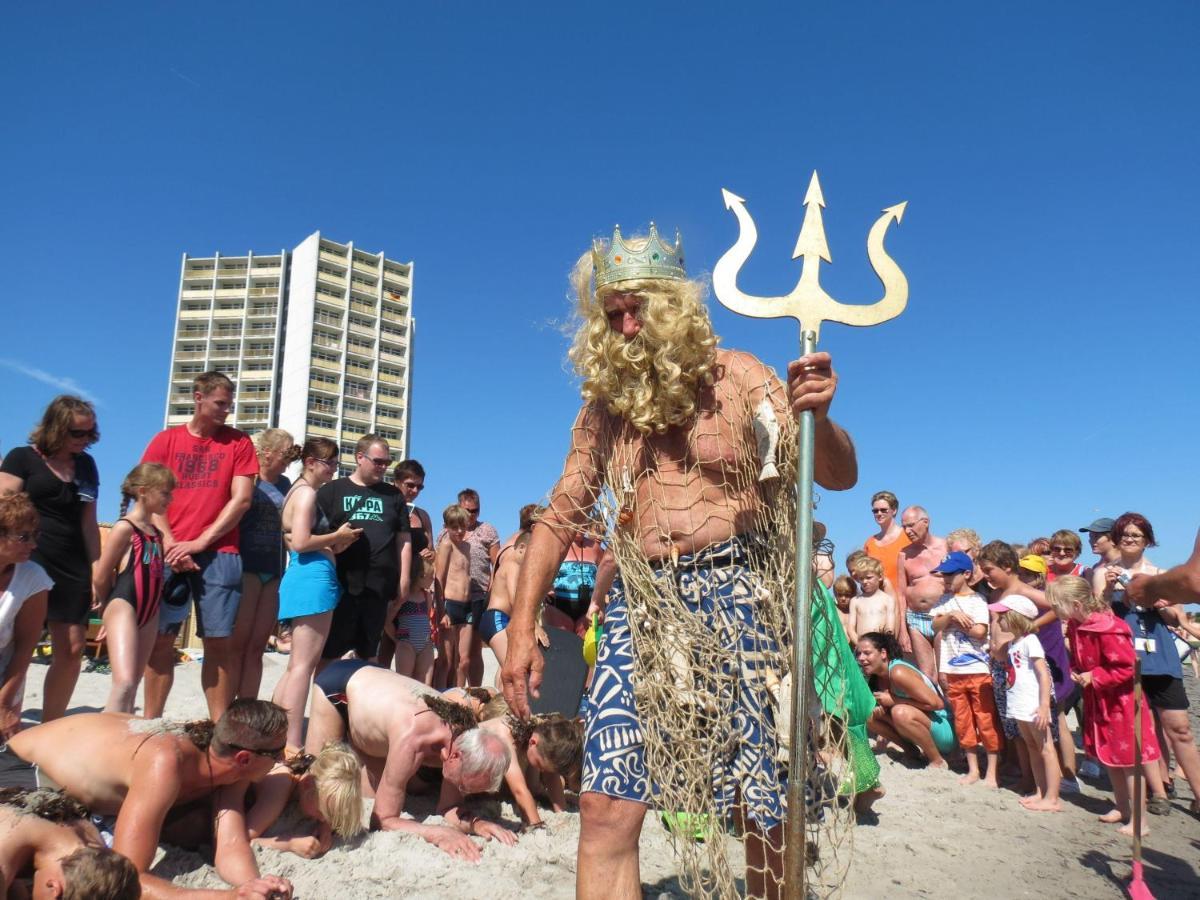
[971,648]
[384,620]
[985,648]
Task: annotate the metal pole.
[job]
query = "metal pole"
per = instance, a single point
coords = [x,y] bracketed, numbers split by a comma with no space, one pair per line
[795,876]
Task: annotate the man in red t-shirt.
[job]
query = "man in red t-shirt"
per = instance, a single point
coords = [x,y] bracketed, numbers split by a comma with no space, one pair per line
[214,467]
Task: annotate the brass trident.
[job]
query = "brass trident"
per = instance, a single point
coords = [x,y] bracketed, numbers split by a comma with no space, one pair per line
[810,305]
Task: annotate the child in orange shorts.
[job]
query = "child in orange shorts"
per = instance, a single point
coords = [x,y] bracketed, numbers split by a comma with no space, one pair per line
[961,618]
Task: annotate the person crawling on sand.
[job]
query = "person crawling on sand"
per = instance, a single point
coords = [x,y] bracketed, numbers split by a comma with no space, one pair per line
[152,780]
[398,725]
[545,751]
[327,789]
[50,843]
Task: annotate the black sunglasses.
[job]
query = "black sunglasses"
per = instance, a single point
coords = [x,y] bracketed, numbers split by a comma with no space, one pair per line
[275,753]
[81,432]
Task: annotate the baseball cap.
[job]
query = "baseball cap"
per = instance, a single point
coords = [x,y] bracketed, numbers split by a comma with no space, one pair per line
[954,563]
[1100,526]
[1033,563]
[1017,604]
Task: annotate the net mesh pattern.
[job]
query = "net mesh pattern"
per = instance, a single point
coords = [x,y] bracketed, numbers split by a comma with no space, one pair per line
[700,681]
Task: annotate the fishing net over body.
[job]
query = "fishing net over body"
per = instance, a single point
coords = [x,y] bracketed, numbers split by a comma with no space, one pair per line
[702,522]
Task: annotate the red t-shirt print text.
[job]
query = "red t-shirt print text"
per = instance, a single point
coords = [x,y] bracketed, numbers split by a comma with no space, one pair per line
[198,469]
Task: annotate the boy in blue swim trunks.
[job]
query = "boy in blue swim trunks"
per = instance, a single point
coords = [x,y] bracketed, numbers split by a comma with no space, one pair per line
[666,438]
[452,566]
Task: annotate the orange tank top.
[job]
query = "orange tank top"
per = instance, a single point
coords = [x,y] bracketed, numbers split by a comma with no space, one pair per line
[888,555]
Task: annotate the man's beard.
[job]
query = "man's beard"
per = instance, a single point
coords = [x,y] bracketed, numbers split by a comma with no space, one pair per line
[654,387]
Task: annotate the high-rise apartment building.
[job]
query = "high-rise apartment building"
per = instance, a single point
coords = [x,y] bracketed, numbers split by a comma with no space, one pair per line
[317,339]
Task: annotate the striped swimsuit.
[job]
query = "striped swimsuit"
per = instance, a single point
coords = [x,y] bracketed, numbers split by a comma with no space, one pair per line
[140,582]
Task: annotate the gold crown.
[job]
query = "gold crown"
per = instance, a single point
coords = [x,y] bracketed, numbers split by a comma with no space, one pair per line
[617,262]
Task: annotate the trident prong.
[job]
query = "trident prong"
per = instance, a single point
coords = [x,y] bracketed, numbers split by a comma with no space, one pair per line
[810,305]
[808,302]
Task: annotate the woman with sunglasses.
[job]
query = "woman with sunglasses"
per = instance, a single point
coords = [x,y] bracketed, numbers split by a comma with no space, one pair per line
[309,590]
[1162,669]
[23,589]
[885,546]
[61,479]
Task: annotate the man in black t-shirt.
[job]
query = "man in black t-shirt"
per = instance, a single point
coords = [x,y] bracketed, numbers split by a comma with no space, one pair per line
[374,570]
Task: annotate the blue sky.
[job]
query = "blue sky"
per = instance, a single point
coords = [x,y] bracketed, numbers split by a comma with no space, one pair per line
[1042,374]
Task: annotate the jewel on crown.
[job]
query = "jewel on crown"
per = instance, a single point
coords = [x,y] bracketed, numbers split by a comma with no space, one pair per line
[617,262]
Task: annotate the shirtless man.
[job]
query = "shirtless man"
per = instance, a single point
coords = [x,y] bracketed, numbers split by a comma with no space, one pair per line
[919,588]
[389,722]
[48,837]
[154,777]
[685,454]
[452,566]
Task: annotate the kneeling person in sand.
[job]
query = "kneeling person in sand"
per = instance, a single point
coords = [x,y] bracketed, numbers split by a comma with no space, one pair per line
[154,778]
[327,791]
[397,725]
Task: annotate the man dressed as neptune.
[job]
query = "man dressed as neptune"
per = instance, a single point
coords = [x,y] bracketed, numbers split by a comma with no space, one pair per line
[682,451]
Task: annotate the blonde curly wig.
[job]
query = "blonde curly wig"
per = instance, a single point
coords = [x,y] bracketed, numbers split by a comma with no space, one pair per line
[653,379]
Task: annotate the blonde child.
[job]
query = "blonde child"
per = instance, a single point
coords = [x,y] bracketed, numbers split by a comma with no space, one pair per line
[1028,699]
[844,591]
[132,593]
[873,609]
[452,568]
[1102,658]
[411,627]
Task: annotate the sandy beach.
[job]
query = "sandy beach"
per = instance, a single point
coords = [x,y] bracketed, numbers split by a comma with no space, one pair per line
[933,839]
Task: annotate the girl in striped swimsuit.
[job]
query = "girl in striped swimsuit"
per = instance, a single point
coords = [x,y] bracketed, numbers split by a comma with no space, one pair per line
[132,594]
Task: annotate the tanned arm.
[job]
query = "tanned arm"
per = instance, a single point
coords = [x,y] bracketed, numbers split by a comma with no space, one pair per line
[574,494]
[1180,584]
[241,492]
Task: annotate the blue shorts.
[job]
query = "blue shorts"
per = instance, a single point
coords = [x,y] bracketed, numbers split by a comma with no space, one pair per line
[719,590]
[216,590]
[459,612]
[494,621]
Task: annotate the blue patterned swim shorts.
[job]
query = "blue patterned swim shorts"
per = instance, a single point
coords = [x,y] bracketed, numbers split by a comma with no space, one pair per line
[718,588]
[921,622]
